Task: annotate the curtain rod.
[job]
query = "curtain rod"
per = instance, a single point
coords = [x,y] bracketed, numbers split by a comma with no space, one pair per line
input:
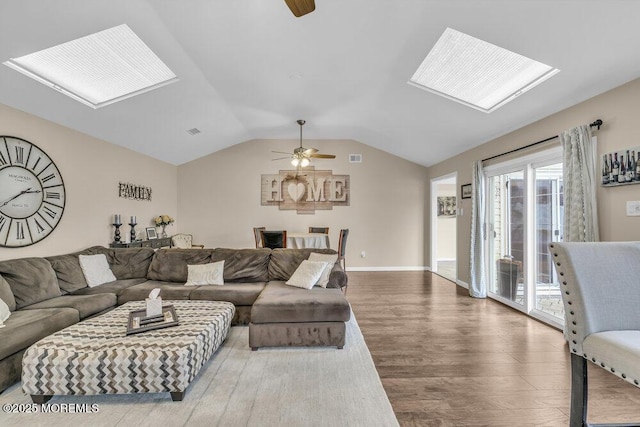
[597,124]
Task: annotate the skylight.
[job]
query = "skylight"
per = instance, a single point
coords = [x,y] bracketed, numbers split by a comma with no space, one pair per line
[476,73]
[98,69]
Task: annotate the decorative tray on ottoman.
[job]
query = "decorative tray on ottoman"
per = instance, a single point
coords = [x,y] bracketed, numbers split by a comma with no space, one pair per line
[139,322]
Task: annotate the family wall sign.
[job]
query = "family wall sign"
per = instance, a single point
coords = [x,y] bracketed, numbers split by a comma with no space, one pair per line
[305,190]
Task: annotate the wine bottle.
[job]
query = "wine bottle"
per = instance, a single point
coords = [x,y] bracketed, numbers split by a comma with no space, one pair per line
[631,167]
[623,170]
[616,168]
[610,170]
[605,170]
[627,175]
[638,167]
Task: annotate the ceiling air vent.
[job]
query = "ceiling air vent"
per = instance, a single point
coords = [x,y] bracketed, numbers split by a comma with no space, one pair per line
[355,158]
[193,131]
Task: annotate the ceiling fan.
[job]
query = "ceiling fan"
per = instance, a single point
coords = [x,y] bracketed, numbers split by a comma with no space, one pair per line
[301,156]
[301,7]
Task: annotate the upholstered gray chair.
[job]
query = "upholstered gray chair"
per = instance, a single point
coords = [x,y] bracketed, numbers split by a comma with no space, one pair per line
[600,285]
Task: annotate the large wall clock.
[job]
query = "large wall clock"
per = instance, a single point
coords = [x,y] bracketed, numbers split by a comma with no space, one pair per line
[32,195]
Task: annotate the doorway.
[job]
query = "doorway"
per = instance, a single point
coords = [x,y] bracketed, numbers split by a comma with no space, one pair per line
[444,225]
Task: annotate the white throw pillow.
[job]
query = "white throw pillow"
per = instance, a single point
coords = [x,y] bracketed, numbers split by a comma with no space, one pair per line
[96,269]
[330,259]
[205,274]
[307,274]
[4,313]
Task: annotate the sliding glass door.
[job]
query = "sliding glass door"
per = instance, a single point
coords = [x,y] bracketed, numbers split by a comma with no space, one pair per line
[525,211]
[506,235]
[549,212]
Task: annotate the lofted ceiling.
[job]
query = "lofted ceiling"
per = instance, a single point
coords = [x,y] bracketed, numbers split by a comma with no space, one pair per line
[248,69]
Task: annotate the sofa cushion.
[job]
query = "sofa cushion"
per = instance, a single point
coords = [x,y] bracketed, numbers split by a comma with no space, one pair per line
[130,263]
[243,265]
[96,269]
[237,293]
[68,272]
[168,291]
[170,265]
[87,305]
[31,280]
[4,312]
[205,274]
[331,260]
[307,274]
[279,302]
[113,287]
[25,327]
[284,262]
[6,295]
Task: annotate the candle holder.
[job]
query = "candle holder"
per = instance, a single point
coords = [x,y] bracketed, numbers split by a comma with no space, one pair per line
[133,231]
[116,236]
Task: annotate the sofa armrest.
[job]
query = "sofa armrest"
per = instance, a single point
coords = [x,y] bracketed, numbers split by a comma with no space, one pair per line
[338,277]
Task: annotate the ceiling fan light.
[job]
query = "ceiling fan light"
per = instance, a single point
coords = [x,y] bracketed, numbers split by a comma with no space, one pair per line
[304,162]
[295,161]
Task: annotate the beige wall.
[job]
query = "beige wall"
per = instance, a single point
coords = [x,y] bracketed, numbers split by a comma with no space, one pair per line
[446,232]
[618,108]
[91,170]
[219,201]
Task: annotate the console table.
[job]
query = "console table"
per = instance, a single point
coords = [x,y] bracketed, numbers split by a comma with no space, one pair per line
[153,243]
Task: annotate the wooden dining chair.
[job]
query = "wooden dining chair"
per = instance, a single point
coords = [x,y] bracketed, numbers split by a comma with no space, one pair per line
[274,239]
[342,247]
[257,236]
[323,230]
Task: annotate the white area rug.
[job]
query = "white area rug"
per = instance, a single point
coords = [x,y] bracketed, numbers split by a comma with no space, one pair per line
[314,386]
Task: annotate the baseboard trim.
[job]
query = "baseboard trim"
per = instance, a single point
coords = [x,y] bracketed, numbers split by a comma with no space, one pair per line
[462,284]
[414,268]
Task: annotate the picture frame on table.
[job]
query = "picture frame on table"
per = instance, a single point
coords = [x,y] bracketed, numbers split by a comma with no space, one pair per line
[151,233]
[465,191]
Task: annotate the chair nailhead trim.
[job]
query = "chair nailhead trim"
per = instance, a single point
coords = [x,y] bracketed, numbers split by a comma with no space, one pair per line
[635,382]
[624,375]
[613,370]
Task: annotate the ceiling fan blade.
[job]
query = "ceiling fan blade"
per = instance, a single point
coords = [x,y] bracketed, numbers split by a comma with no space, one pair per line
[322,156]
[309,151]
[301,7]
[280,152]
[281,158]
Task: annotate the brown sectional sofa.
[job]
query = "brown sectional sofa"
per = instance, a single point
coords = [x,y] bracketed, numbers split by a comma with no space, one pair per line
[48,294]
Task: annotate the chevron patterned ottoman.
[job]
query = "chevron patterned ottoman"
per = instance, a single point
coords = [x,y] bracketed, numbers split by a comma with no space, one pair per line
[96,356]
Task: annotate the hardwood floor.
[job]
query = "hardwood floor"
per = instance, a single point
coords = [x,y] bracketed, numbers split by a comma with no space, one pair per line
[447,359]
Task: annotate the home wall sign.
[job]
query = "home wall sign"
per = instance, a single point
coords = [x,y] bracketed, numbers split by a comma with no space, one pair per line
[127,190]
[305,190]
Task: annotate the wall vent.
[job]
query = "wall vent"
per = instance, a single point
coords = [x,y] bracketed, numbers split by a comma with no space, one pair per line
[193,131]
[355,158]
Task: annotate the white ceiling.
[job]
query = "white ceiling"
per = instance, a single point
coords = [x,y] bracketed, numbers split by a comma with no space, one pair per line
[248,69]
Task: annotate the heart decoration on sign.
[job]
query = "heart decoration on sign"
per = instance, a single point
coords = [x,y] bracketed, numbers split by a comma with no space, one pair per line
[296,191]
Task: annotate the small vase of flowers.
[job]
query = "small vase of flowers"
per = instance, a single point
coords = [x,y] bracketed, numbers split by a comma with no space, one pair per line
[163,221]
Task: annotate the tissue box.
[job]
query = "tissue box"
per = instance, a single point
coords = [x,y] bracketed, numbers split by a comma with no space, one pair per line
[154,307]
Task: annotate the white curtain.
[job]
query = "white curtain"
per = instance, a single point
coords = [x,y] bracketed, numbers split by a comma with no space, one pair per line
[579,176]
[478,286]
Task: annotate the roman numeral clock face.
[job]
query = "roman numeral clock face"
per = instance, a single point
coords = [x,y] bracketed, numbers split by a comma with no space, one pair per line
[32,195]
